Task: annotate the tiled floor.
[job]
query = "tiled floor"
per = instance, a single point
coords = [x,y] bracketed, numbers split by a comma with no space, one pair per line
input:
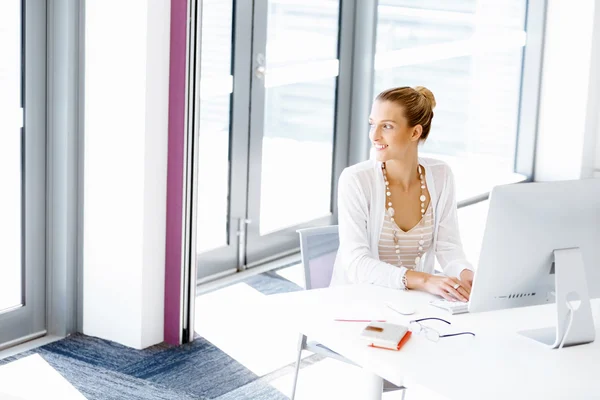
[14,378]
[223,317]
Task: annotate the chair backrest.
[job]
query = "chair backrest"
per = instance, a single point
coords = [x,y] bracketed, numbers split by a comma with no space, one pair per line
[319,247]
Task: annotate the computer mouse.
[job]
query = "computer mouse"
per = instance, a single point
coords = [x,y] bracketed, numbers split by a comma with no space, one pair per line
[401,308]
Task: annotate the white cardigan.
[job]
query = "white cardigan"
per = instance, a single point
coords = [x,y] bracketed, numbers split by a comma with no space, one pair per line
[360,219]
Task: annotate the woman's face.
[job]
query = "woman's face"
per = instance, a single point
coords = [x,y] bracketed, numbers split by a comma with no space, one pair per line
[390,134]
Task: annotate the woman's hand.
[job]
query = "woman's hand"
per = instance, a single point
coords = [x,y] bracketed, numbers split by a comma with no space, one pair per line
[441,285]
[466,276]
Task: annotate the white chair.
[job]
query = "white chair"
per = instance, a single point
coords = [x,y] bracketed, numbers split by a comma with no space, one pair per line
[319,247]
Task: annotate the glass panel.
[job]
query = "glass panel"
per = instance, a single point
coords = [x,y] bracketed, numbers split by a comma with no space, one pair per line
[297,149]
[469,54]
[10,154]
[215,103]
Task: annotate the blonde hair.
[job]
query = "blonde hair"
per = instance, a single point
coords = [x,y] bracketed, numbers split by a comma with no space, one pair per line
[418,104]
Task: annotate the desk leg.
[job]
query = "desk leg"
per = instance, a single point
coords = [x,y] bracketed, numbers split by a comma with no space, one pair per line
[372,386]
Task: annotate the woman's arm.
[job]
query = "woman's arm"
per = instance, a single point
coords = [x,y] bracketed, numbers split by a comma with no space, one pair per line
[449,250]
[449,253]
[354,251]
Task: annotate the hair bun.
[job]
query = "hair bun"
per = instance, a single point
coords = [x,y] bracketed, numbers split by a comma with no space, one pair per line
[428,95]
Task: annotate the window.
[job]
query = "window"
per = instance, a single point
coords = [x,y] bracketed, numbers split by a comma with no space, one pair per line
[22,170]
[11,122]
[469,53]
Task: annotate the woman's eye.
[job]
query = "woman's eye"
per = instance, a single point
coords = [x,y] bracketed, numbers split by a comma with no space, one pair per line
[385,126]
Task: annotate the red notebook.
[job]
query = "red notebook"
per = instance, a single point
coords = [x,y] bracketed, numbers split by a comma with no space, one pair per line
[400,344]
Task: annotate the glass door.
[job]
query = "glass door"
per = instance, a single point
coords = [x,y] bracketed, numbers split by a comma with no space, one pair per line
[225,42]
[292,123]
[266,128]
[22,170]
[10,154]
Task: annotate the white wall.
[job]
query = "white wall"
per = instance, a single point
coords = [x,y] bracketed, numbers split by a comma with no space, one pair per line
[126,126]
[597,157]
[568,125]
[591,155]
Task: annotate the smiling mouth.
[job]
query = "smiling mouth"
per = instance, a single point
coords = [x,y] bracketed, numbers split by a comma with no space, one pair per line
[380,146]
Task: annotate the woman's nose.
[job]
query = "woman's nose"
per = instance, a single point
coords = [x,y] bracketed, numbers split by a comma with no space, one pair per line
[374,133]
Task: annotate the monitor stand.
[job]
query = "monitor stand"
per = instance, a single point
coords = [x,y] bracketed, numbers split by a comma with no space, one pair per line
[571,288]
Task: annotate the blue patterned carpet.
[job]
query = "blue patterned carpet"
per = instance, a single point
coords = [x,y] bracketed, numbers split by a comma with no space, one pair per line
[101,369]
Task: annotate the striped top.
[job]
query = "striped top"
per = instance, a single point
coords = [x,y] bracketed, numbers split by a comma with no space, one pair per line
[408,241]
[361,209]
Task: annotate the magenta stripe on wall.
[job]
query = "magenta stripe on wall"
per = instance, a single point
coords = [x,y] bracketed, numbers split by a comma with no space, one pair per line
[175,171]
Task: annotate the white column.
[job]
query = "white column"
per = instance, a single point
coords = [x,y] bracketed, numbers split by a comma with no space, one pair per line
[569,101]
[126,131]
[597,156]
[591,156]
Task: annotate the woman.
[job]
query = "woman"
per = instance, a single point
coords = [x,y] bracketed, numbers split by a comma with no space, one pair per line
[398,211]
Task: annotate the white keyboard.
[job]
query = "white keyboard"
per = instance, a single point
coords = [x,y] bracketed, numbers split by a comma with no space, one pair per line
[453,307]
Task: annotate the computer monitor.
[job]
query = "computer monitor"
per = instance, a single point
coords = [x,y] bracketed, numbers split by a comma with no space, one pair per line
[526,222]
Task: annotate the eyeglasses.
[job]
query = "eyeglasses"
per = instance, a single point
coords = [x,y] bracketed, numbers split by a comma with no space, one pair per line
[416,327]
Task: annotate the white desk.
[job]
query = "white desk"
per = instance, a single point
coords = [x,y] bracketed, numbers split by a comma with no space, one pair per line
[496,364]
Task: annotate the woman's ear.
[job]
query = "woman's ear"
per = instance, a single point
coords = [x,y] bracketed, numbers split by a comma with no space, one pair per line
[416,133]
